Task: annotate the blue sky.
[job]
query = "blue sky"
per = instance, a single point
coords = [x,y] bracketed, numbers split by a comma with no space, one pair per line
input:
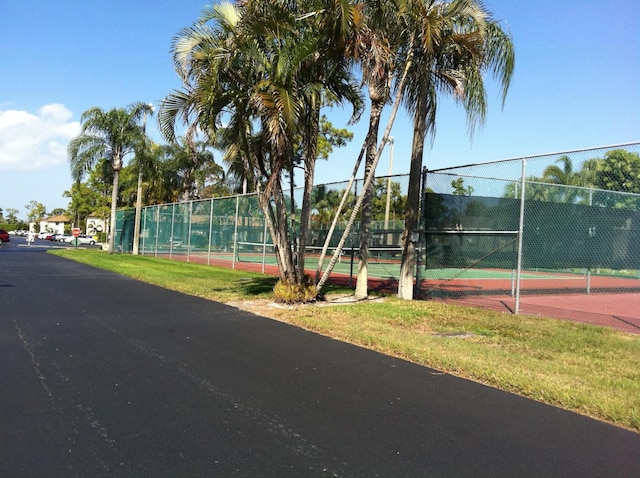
[576,85]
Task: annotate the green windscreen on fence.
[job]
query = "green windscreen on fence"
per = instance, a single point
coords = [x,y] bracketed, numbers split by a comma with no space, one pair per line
[476,231]
[125,224]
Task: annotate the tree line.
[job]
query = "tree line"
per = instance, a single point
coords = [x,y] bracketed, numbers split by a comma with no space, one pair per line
[36,211]
[598,182]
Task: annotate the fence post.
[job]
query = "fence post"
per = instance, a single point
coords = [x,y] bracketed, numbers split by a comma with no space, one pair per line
[264,244]
[157,228]
[210,231]
[173,220]
[235,234]
[520,231]
[144,228]
[189,236]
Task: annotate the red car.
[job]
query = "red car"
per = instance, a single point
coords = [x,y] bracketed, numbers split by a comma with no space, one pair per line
[4,236]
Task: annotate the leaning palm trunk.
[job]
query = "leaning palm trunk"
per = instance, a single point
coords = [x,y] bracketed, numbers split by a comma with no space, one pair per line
[336,216]
[369,179]
[377,105]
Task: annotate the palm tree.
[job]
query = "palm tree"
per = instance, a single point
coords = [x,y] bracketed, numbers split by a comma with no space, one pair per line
[564,177]
[237,176]
[143,160]
[456,43]
[374,46]
[556,175]
[191,160]
[109,135]
[263,69]
[329,33]
[225,71]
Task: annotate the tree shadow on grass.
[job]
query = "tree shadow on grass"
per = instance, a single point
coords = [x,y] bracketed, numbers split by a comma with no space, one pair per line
[257,286]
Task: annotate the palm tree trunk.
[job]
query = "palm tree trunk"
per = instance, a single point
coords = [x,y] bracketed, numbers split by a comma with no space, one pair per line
[377,105]
[337,213]
[277,225]
[313,122]
[282,241]
[136,226]
[412,208]
[114,207]
[292,208]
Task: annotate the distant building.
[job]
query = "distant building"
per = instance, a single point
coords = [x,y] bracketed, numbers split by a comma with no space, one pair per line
[54,224]
[95,225]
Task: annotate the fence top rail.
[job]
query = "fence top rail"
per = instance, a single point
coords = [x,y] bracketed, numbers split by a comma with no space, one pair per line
[533,156]
[442,232]
[194,201]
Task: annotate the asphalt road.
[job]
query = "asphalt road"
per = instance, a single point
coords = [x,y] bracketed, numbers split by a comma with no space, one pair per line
[104,376]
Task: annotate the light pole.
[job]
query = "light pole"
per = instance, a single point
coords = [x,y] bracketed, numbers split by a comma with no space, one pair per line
[136,226]
[388,205]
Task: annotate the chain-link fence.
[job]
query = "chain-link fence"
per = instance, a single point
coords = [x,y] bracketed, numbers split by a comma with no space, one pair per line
[575,230]
[231,231]
[545,226]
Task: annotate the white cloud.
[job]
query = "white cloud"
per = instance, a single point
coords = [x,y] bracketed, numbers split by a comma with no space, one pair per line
[30,142]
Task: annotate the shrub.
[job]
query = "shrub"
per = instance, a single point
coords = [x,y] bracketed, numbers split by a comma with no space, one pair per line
[292,293]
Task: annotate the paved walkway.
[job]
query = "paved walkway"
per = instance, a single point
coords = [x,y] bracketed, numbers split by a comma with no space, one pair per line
[104,376]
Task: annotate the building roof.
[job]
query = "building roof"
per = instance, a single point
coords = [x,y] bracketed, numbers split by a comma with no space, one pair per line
[56,219]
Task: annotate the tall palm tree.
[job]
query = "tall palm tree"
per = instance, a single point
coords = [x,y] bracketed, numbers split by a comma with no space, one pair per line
[225,69]
[190,160]
[557,175]
[237,176]
[262,69]
[143,160]
[109,135]
[565,177]
[374,45]
[457,42]
[329,67]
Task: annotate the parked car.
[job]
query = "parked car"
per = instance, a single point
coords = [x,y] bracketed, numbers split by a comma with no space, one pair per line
[4,236]
[83,239]
[43,235]
[64,238]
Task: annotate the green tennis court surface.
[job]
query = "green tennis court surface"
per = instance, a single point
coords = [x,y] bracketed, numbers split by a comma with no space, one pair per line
[391,269]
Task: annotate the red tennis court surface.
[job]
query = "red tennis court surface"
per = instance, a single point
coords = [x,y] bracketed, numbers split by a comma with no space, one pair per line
[617,310]
[613,301]
[603,300]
